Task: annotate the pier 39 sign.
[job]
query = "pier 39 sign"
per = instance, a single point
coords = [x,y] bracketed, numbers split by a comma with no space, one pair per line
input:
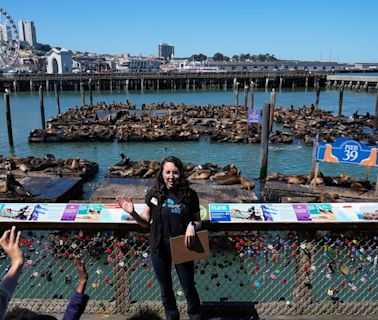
[344,150]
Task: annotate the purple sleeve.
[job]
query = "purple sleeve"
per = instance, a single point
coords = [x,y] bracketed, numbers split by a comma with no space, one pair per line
[76,306]
[7,286]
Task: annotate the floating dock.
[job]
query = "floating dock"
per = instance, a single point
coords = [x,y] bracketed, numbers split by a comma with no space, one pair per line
[207,190]
[47,189]
[277,191]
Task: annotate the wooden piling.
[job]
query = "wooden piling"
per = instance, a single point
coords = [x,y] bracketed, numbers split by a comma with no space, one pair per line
[376,114]
[246,96]
[8,118]
[264,142]
[237,94]
[317,97]
[272,107]
[341,94]
[82,93]
[252,95]
[90,91]
[57,98]
[42,107]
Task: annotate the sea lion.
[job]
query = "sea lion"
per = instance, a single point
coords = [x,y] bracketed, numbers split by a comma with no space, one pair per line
[328,156]
[16,187]
[246,183]
[296,180]
[200,175]
[230,180]
[24,168]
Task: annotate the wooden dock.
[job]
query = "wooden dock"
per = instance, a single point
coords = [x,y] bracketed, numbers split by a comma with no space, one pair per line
[47,189]
[277,191]
[207,190]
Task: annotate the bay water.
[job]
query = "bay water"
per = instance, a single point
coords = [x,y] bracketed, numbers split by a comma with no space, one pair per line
[288,159]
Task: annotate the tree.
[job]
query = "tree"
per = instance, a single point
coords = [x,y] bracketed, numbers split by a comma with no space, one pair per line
[198,57]
[218,57]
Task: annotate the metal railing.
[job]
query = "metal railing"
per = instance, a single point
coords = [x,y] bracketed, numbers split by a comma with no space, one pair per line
[278,272]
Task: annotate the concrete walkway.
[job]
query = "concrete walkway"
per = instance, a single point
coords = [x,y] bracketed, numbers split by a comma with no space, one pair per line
[315,317]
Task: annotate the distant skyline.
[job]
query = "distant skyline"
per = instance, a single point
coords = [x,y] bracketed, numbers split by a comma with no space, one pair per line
[294,29]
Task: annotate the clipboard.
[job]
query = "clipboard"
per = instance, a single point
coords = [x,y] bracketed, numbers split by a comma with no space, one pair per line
[200,249]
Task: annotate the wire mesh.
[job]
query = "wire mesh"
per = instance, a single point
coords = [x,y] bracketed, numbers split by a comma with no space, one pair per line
[280,272]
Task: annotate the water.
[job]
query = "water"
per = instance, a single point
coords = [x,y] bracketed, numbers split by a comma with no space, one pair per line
[288,159]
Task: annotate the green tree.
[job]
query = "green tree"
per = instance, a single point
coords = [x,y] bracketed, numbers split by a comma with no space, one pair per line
[218,57]
[198,57]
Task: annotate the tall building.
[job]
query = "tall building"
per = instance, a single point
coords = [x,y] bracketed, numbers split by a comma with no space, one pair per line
[5,33]
[27,32]
[166,51]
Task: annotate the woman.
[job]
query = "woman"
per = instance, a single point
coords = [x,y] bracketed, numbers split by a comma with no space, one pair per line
[171,209]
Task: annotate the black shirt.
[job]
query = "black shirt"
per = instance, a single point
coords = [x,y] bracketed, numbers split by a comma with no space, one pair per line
[170,217]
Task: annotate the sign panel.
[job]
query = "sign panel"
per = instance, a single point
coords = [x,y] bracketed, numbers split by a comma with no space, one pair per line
[344,150]
[293,212]
[254,115]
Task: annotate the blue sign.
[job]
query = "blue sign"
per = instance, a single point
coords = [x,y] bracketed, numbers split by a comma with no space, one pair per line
[220,212]
[344,150]
[254,115]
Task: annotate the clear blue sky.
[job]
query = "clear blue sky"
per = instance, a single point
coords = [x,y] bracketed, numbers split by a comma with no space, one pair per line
[337,30]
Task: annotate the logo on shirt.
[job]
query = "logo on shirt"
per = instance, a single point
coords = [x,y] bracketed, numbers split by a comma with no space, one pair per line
[174,208]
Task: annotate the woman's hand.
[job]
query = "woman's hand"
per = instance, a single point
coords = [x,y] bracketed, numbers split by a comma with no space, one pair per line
[126,205]
[190,235]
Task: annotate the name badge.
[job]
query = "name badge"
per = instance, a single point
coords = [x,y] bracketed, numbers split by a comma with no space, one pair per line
[154,201]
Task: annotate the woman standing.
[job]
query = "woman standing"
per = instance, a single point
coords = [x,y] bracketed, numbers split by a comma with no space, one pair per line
[171,209]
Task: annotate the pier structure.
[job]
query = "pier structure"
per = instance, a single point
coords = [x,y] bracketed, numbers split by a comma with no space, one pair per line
[359,83]
[140,81]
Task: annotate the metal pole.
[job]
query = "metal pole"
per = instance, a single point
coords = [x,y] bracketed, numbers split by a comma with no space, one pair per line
[90,91]
[9,118]
[237,94]
[42,107]
[264,142]
[57,98]
[252,95]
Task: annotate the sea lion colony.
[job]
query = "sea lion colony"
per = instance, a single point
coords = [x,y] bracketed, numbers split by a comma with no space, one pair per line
[48,165]
[227,175]
[342,180]
[308,121]
[152,123]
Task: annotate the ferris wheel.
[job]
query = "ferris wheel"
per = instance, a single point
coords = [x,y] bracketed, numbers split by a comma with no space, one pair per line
[9,40]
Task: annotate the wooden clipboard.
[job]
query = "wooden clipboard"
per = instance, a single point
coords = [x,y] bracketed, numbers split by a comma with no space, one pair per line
[200,249]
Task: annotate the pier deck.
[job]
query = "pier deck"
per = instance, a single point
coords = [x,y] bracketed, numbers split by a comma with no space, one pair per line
[208,192]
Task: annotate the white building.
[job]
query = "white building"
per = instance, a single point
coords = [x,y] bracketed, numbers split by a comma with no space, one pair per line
[27,32]
[59,61]
[140,64]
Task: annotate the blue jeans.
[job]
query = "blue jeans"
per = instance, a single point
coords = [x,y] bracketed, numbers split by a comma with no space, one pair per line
[162,264]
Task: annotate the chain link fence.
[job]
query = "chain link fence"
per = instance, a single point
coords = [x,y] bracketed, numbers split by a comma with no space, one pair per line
[275,272]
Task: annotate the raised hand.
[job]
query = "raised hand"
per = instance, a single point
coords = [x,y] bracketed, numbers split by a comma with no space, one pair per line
[10,244]
[126,205]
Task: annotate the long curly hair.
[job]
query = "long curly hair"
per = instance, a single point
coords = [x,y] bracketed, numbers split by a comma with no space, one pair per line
[182,189]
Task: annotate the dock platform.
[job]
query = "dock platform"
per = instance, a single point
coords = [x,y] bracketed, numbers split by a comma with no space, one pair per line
[47,189]
[207,190]
[277,191]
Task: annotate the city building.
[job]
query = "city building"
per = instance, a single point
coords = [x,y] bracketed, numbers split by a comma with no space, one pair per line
[141,64]
[27,32]
[59,61]
[5,33]
[166,51]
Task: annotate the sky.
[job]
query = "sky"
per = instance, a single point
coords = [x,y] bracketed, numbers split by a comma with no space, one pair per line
[321,30]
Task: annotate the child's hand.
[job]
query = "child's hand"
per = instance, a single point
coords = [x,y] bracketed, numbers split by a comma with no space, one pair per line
[10,243]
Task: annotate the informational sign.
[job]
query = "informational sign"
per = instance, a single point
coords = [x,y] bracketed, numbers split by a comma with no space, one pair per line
[293,212]
[65,212]
[254,115]
[344,150]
